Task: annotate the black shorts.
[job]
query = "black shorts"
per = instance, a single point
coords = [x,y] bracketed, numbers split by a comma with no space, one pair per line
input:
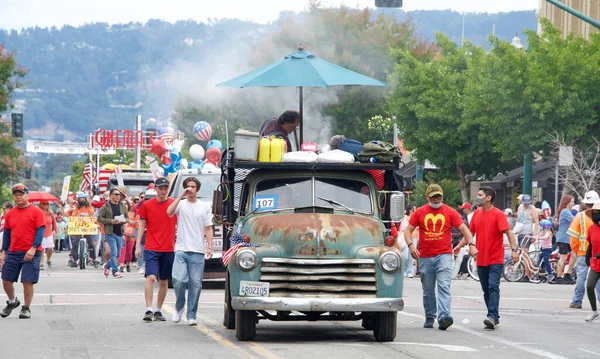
[159,264]
[564,248]
[15,264]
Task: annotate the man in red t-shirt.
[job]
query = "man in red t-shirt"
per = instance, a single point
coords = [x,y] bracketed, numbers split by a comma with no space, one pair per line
[159,249]
[21,250]
[488,225]
[435,221]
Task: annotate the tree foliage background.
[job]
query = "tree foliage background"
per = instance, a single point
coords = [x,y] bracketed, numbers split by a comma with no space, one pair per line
[12,159]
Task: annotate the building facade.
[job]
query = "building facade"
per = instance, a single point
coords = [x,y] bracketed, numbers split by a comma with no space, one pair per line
[567,22]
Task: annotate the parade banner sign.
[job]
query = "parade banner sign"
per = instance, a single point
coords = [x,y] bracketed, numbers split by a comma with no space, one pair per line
[82,226]
[71,148]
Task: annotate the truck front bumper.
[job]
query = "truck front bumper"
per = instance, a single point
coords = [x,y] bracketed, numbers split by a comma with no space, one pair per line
[318,304]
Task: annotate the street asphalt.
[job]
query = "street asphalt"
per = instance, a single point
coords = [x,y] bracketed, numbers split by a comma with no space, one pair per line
[80,314]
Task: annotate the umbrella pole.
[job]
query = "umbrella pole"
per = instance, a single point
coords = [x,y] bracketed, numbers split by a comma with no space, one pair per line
[301,119]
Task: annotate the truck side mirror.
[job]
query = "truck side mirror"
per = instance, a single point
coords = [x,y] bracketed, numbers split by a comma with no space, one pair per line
[397,206]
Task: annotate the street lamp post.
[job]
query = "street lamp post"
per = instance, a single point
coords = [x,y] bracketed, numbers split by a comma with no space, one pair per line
[527,163]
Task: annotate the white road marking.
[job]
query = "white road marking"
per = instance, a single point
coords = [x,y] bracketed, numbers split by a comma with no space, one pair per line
[450,348]
[515,298]
[589,351]
[534,351]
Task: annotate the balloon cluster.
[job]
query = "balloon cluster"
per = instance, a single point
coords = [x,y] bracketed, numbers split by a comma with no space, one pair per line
[167,149]
[203,132]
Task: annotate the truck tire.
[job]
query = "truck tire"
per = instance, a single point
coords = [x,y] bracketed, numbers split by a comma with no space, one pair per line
[384,326]
[228,313]
[367,322]
[245,325]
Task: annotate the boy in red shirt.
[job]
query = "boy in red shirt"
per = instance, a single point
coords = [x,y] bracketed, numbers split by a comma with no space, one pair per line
[489,224]
[21,250]
[159,249]
[435,221]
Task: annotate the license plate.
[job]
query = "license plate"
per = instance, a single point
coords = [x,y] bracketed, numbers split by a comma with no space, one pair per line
[254,289]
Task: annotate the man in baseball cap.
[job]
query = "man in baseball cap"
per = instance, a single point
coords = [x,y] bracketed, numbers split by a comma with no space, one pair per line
[159,249]
[435,221]
[22,252]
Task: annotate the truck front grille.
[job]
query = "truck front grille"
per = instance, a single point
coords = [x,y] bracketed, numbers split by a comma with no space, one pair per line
[342,278]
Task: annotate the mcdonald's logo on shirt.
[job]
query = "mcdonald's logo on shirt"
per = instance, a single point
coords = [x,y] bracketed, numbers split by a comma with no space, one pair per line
[434,219]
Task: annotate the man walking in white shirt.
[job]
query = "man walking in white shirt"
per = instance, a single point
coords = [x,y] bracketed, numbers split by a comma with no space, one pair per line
[194,221]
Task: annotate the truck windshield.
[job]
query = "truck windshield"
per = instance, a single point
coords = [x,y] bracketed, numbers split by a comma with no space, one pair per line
[297,192]
[134,186]
[351,193]
[283,193]
[208,183]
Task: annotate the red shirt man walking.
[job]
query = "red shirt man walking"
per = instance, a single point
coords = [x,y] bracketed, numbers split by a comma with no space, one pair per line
[21,250]
[435,221]
[159,250]
[490,224]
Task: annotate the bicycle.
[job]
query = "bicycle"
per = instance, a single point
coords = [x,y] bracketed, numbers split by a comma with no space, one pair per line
[515,272]
[83,254]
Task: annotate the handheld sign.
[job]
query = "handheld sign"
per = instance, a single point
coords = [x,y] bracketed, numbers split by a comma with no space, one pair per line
[65,188]
[265,202]
[79,225]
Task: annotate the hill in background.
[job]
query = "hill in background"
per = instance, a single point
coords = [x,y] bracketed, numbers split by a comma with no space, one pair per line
[101,76]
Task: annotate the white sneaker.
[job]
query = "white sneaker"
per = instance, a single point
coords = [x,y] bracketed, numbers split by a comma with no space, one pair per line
[592,316]
[411,276]
[177,316]
[192,322]
[141,270]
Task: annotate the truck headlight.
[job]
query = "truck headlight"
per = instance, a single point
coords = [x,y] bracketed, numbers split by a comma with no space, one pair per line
[246,259]
[389,262]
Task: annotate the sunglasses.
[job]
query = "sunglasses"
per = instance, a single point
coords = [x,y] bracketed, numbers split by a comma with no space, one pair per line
[20,188]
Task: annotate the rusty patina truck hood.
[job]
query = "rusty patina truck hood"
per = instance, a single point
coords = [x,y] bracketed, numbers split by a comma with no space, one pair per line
[315,235]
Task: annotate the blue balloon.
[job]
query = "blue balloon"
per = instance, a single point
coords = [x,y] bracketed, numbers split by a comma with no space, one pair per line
[214,143]
[175,164]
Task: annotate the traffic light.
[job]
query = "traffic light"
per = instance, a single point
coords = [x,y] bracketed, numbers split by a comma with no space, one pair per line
[17,125]
[388,3]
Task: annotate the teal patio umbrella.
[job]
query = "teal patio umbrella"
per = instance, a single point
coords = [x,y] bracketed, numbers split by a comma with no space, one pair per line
[301,69]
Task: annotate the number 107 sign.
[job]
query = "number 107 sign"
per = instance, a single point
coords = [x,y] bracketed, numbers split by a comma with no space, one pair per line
[264,202]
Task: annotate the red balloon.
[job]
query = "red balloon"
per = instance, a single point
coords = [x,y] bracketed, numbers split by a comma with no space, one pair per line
[213,155]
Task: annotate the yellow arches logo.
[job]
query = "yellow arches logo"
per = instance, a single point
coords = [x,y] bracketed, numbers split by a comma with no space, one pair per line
[434,220]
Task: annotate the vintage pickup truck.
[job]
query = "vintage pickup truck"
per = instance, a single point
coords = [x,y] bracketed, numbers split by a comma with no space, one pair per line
[315,246]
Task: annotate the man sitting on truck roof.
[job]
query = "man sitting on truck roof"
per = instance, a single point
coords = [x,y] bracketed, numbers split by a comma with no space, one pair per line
[281,127]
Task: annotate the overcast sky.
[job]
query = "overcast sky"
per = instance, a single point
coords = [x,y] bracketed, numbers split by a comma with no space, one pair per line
[16,14]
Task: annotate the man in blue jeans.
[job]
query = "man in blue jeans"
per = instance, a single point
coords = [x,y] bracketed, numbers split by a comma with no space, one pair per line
[113,215]
[435,221]
[194,221]
[488,225]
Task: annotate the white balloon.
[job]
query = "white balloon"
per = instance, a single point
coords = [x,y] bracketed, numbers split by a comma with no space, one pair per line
[197,152]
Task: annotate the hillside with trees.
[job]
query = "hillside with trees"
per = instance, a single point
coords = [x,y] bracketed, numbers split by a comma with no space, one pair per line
[99,75]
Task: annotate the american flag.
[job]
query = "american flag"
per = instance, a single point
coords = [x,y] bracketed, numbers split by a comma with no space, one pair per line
[237,242]
[87,177]
[102,179]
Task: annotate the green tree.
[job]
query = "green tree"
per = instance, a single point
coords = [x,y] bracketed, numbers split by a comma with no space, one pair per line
[12,159]
[428,97]
[520,96]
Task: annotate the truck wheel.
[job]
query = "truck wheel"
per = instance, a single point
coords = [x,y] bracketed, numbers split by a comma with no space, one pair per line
[228,313]
[384,326]
[245,324]
[367,322]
